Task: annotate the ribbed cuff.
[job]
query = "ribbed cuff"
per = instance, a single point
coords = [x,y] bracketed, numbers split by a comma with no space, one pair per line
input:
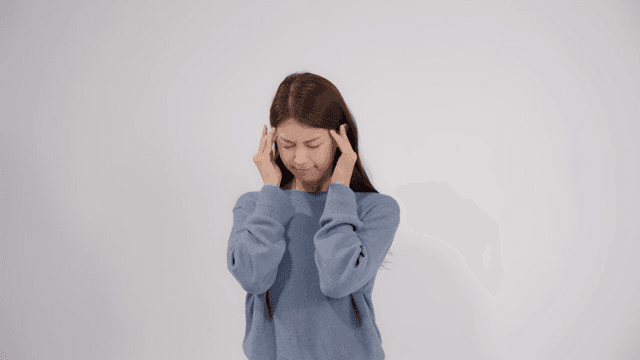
[274,203]
[342,200]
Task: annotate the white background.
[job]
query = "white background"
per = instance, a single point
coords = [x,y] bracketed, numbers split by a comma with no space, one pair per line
[128,129]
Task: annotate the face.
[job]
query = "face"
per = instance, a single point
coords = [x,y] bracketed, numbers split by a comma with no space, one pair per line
[306,151]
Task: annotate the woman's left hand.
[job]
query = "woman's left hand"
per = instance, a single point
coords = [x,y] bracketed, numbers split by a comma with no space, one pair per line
[344,168]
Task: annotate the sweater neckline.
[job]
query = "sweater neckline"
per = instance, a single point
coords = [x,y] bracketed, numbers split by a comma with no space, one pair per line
[309,193]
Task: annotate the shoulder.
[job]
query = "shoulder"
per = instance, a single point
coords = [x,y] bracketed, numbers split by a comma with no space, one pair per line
[247,200]
[378,201]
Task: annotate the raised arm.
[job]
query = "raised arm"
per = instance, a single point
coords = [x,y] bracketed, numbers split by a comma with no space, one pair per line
[349,250]
[256,244]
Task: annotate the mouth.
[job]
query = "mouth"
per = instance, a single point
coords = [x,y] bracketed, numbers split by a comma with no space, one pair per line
[303,169]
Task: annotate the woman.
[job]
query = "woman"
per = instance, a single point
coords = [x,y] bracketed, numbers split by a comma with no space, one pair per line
[308,245]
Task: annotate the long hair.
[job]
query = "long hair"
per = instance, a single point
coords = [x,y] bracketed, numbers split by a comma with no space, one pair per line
[314,101]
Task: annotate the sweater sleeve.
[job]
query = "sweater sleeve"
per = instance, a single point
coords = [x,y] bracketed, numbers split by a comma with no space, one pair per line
[350,250]
[256,244]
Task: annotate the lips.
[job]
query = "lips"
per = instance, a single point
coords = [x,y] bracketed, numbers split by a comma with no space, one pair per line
[303,169]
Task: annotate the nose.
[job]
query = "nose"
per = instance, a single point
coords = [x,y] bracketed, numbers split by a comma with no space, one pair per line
[299,160]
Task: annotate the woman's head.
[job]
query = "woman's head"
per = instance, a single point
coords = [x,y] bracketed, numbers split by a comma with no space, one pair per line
[304,108]
[307,152]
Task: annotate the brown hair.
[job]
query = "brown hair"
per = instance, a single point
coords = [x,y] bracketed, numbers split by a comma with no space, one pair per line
[314,101]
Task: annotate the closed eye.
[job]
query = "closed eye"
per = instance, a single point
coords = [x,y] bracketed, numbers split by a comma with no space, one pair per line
[313,147]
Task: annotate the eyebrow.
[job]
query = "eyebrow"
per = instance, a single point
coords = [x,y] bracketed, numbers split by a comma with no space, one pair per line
[308,141]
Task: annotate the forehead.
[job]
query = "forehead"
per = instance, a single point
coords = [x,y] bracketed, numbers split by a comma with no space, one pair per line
[295,131]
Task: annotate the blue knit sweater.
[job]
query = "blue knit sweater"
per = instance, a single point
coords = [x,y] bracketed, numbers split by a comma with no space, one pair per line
[308,263]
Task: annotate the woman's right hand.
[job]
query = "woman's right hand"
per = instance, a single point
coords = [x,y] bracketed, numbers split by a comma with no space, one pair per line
[266,157]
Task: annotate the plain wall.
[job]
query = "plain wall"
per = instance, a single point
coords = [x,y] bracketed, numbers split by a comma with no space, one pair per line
[507,132]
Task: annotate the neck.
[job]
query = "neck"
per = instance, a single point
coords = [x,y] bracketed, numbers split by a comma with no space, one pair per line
[315,187]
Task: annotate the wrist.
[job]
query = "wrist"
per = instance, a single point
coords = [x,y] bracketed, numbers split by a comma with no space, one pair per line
[342,178]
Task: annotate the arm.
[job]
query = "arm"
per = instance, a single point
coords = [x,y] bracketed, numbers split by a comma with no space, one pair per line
[256,244]
[350,250]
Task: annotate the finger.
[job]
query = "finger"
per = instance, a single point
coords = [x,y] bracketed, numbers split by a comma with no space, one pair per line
[337,137]
[262,140]
[265,140]
[269,145]
[338,140]
[274,137]
[344,133]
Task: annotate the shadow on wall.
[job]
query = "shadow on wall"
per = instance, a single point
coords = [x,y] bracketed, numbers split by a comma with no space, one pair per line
[429,304]
[437,210]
